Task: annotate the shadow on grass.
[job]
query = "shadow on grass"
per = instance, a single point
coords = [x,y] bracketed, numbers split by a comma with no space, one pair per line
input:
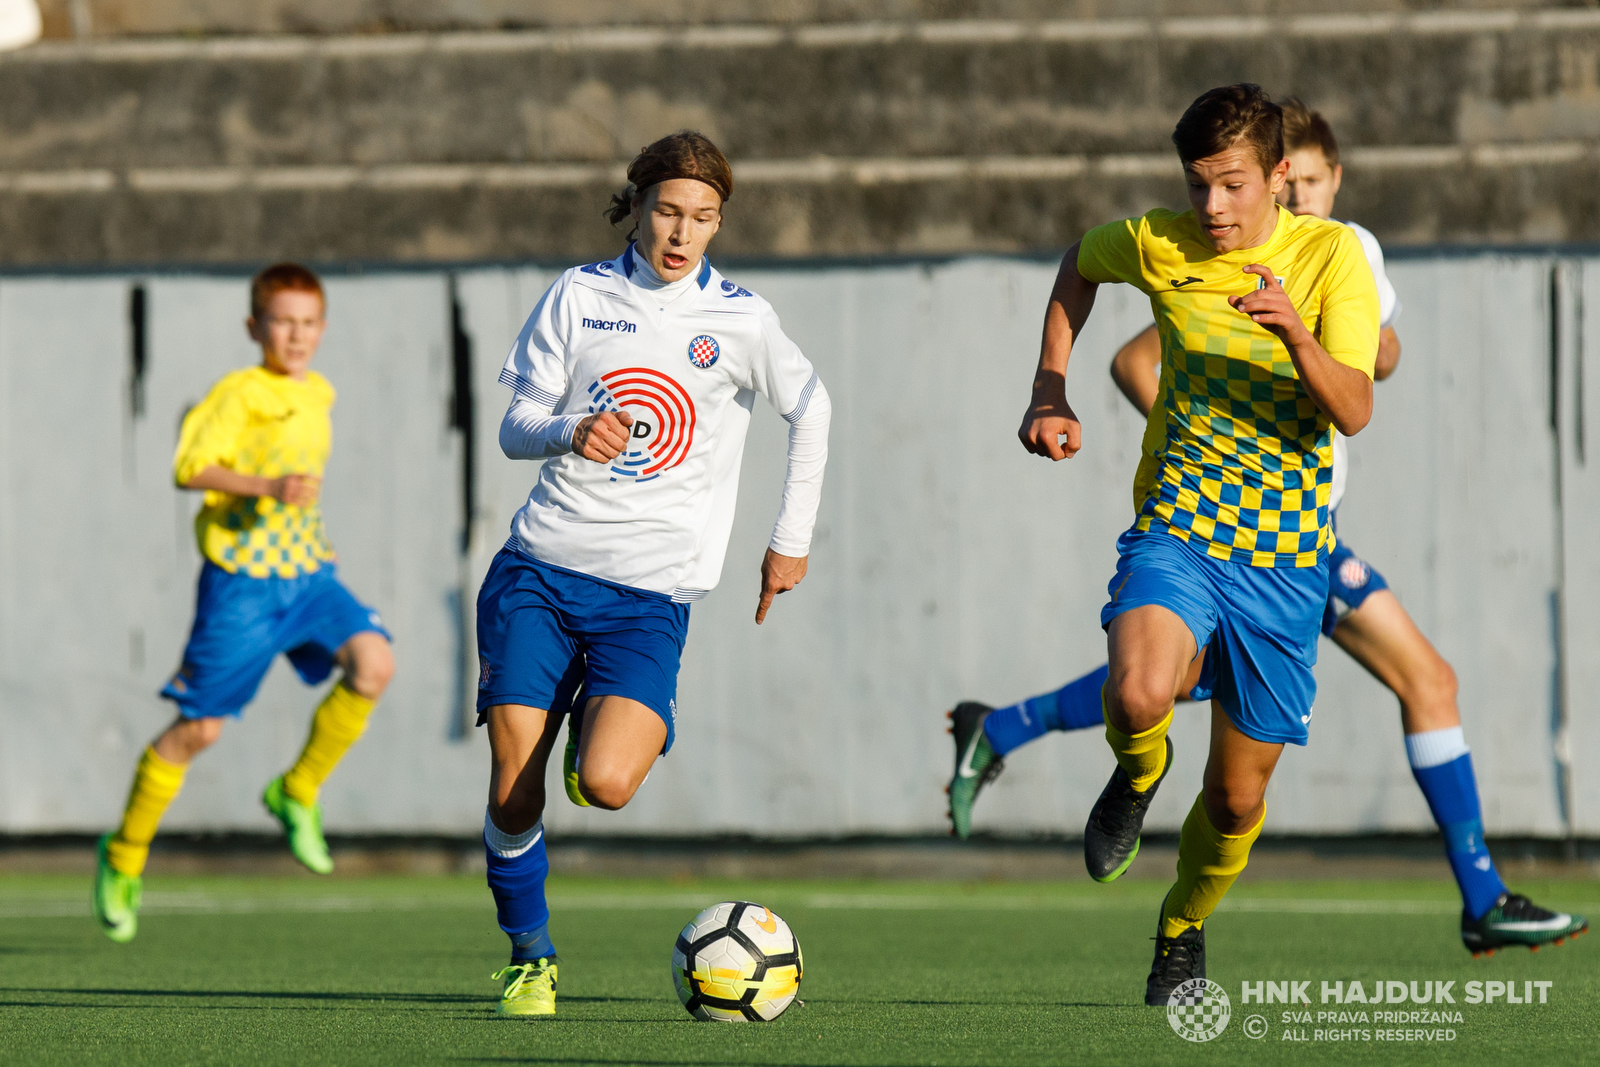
[196,994]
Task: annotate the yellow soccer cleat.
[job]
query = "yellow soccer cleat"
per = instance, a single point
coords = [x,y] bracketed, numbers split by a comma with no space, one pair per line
[116,898]
[530,987]
[569,765]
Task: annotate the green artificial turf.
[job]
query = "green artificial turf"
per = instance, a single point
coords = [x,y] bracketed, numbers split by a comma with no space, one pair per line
[396,971]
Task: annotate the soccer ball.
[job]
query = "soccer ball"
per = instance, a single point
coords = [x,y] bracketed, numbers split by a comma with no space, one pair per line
[737,962]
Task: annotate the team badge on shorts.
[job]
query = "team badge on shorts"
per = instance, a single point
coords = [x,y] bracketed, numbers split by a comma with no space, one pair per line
[1353,574]
[483,672]
[704,350]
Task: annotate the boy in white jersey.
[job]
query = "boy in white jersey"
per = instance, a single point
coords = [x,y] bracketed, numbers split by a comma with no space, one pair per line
[1362,617]
[636,377]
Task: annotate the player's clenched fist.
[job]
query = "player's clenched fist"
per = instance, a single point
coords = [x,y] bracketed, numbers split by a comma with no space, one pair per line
[602,437]
[301,490]
[1049,427]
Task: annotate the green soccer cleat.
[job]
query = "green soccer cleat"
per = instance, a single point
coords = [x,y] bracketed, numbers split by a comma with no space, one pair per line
[1516,920]
[569,763]
[530,987]
[116,898]
[1111,837]
[976,764]
[302,824]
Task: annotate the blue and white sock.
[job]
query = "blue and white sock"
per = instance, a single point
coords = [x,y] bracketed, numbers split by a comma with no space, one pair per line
[518,867]
[1442,766]
[1075,706]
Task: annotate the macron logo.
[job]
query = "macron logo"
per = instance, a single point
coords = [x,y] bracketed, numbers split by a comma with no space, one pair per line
[620,325]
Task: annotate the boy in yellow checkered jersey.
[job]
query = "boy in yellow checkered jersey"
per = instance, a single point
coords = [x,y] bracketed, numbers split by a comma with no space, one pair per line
[257,445]
[1269,335]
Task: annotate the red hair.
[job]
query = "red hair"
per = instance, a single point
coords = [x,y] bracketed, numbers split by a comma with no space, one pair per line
[281,278]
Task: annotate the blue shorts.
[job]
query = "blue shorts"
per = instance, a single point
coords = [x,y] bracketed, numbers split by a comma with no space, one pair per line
[1351,580]
[242,623]
[1256,625]
[547,634]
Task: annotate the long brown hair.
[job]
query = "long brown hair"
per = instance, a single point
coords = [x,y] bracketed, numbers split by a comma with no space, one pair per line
[685,154]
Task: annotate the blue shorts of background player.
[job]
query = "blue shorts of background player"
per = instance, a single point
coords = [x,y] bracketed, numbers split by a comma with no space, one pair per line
[546,634]
[241,624]
[1350,581]
[1257,625]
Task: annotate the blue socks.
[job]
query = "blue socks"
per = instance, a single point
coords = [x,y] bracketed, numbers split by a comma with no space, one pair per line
[1075,706]
[517,870]
[1442,766]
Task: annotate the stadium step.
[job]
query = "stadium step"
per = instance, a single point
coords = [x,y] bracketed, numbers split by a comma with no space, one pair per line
[850,137]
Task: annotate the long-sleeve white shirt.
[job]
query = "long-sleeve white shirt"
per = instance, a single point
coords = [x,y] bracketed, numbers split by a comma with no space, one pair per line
[686,360]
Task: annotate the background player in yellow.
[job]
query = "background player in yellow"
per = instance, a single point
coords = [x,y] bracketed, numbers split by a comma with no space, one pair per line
[257,445]
[1269,331]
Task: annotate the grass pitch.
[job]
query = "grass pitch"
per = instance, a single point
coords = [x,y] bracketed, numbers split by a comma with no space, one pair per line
[395,971]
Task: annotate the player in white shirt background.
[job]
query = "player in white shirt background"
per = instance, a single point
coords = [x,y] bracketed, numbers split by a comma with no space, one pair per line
[634,380]
[1362,616]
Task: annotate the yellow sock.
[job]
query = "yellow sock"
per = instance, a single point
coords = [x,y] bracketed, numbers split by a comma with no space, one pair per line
[1208,862]
[155,783]
[1143,755]
[340,719]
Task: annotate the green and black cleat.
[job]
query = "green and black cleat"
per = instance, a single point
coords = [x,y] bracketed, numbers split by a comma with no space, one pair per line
[1516,920]
[1178,960]
[976,763]
[1111,837]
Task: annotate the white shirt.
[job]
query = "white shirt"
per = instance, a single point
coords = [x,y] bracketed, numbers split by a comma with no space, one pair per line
[686,360]
[1388,312]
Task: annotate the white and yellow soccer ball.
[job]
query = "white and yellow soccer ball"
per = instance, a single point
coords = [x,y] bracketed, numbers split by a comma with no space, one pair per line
[737,962]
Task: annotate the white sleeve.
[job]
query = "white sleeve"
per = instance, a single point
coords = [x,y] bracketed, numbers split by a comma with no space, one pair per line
[536,369]
[802,485]
[781,373]
[530,431]
[1388,299]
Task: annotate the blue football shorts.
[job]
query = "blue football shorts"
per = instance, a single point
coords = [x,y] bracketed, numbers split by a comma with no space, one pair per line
[1351,580]
[547,634]
[242,623]
[1257,626]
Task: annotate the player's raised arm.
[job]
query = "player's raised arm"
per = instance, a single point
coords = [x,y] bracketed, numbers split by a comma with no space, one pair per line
[1049,427]
[1343,392]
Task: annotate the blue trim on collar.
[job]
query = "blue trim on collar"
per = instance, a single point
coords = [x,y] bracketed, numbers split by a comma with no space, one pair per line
[705,271]
[627,260]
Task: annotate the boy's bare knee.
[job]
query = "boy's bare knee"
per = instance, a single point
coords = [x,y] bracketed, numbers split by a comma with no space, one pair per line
[516,808]
[372,670]
[607,790]
[1233,806]
[1142,699]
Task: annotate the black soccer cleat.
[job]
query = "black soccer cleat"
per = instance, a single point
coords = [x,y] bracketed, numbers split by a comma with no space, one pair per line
[976,763]
[1178,959]
[1516,920]
[1111,837]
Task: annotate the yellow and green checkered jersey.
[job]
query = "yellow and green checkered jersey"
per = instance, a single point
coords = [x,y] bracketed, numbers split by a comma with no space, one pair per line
[1237,458]
[267,425]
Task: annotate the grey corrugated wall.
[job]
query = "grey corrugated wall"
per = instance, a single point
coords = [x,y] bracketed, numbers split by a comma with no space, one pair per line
[947,563]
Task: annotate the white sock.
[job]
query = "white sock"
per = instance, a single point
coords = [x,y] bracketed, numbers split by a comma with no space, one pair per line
[509,845]
[1435,748]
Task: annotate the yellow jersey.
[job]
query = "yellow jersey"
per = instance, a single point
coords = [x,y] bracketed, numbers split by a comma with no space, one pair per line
[268,425]
[1237,459]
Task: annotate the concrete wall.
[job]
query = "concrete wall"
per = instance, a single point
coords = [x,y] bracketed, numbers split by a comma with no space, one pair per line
[947,563]
[1008,129]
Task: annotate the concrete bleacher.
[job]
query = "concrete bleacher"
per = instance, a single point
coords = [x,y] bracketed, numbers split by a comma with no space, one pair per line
[857,129]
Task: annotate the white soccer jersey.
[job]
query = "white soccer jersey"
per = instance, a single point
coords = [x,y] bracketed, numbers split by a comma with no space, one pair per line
[686,360]
[1388,312]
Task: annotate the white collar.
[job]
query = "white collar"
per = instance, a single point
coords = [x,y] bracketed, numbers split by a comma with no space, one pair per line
[645,277]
